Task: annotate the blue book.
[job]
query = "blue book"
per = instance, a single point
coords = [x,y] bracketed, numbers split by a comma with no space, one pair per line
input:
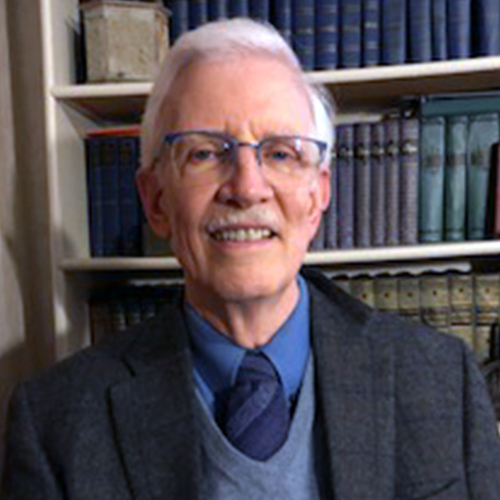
[408,185]
[198,13]
[259,9]
[110,176]
[326,19]
[439,26]
[431,199]
[455,178]
[362,185]
[330,216]
[350,33]
[179,19]
[419,31]
[483,134]
[281,16]
[486,33]
[94,196]
[370,33]
[345,185]
[303,32]
[237,8]
[393,31]
[459,28]
[217,9]
[130,206]
[392,180]
[377,163]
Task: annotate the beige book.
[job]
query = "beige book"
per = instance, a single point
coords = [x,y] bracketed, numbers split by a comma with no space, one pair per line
[461,299]
[386,293]
[435,301]
[362,288]
[487,301]
[409,301]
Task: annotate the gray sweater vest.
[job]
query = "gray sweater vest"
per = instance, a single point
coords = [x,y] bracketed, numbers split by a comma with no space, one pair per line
[290,474]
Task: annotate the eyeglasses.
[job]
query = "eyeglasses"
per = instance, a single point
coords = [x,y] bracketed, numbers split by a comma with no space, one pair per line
[211,156]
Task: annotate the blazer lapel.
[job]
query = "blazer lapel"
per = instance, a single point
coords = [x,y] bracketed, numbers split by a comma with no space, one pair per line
[354,374]
[153,413]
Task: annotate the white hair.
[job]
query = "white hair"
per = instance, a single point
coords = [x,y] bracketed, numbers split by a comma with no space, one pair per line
[226,38]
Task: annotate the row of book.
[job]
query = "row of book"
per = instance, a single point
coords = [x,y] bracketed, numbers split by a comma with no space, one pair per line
[400,181]
[466,305]
[329,34]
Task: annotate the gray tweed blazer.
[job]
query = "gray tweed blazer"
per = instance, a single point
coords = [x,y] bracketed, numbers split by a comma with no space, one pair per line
[404,412]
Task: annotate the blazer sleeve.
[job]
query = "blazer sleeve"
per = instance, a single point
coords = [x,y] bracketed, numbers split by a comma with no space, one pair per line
[481,439]
[27,474]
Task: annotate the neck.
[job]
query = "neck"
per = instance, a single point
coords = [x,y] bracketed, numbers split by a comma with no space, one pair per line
[249,323]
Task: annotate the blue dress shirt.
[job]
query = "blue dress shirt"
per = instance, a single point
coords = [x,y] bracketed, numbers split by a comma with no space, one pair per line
[217,358]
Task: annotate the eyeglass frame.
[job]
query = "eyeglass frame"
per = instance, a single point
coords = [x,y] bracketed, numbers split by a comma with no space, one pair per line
[235,144]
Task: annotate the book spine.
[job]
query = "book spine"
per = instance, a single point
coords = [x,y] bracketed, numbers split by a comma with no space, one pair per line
[410,140]
[130,208]
[495,205]
[462,307]
[326,38]
[345,187]
[486,20]
[435,301]
[370,32]
[362,184]
[377,197]
[419,31]
[362,288]
[259,9]
[487,305]
[392,180]
[94,196]
[217,9]
[483,133]
[459,28]
[110,196]
[198,13]
[179,20]
[303,32]
[386,293]
[238,8]
[439,25]
[350,33]
[431,199]
[455,178]
[393,31]
[330,217]
[282,16]
[409,296]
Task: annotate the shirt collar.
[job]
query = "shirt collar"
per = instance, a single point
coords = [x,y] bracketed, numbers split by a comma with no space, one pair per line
[217,358]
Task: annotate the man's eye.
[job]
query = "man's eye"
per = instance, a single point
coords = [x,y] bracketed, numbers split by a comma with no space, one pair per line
[199,155]
[280,154]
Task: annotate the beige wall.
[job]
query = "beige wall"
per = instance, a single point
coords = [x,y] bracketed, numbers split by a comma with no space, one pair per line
[25,314]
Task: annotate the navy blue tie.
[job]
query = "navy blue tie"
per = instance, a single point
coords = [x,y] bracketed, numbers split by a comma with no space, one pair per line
[257,417]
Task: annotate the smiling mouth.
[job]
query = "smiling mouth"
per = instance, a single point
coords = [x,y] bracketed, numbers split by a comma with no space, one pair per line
[241,235]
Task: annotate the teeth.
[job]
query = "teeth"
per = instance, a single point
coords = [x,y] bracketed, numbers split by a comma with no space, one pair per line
[242,235]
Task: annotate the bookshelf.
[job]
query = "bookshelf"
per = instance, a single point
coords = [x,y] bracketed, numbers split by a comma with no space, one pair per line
[69,110]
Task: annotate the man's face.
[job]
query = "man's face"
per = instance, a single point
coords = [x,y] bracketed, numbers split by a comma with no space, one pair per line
[244,237]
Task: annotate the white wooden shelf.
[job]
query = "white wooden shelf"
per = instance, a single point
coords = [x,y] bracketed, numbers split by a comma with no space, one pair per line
[355,89]
[339,258]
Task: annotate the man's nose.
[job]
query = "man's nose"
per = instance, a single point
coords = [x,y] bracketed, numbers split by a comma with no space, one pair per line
[247,184]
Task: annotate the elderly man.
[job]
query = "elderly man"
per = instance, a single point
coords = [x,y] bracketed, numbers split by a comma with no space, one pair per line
[256,381]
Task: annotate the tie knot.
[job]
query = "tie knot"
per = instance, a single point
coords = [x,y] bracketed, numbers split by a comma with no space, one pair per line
[256,367]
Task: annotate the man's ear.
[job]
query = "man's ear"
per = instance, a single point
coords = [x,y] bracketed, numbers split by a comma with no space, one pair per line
[151,192]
